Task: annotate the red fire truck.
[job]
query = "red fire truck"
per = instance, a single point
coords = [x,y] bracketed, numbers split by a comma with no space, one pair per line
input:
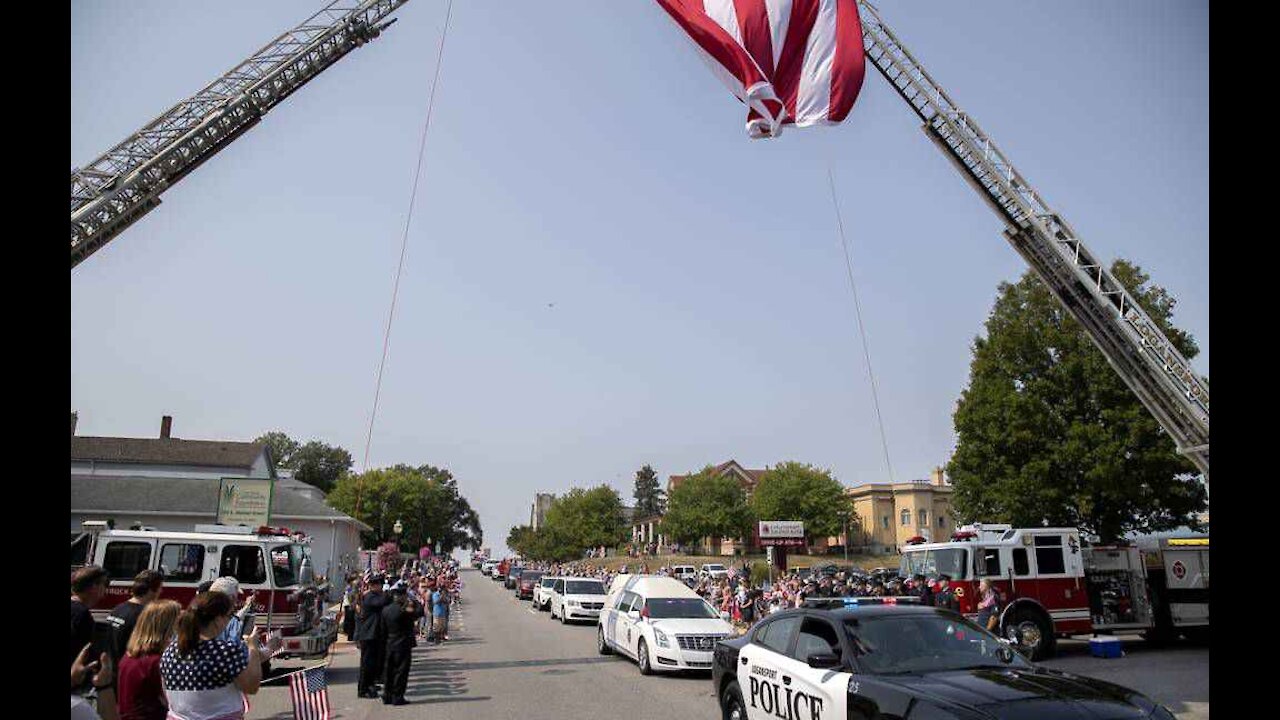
[271,563]
[1053,586]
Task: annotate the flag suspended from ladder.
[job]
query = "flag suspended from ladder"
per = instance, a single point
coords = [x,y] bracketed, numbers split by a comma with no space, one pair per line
[791,61]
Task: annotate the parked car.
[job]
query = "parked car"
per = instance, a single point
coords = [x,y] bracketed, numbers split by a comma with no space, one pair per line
[684,572]
[576,598]
[715,571]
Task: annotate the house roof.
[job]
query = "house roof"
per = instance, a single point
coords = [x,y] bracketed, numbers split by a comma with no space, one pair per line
[166,451]
[719,470]
[181,496]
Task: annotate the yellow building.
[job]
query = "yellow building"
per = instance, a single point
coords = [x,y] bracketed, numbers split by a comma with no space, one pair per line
[889,514]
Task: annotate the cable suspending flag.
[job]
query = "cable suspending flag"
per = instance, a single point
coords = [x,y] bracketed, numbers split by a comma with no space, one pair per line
[790,61]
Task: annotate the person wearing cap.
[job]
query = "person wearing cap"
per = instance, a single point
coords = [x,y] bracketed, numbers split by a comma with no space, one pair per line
[946,597]
[371,634]
[229,586]
[399,617]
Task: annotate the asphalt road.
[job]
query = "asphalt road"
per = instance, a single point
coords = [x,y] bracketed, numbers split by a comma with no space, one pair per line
[506,661]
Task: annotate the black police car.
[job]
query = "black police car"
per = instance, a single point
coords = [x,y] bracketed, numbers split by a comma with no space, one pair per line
[891,659]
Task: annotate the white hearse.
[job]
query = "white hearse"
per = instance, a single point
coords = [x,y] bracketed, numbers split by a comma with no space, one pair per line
[661,623]
[577,598]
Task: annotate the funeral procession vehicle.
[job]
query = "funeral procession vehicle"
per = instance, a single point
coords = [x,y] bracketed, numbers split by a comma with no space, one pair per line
[272,564]
[529,579]
[888,659]
[1054,586]
[661,623]
[542,591]
[577,598]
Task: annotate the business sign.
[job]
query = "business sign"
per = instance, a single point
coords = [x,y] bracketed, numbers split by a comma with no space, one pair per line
[245,501]
[787,533]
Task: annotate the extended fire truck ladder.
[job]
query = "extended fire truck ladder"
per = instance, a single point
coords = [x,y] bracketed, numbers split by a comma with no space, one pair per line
[117,189]
[1134,345]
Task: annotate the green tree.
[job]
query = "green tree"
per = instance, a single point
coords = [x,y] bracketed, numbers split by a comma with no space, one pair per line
[281,447]
[587,518]
[705,505]
[425,500]
[650,499]
[319,464]
[1048,432]
[520,539]
[795,491]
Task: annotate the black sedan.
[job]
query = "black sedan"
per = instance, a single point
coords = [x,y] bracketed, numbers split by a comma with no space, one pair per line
[871,660]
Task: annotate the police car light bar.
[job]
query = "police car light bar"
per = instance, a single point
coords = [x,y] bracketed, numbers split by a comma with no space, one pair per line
[837,603]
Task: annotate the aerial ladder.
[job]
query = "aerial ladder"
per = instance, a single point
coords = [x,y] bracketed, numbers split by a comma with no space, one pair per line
[1132,343]
[115,190]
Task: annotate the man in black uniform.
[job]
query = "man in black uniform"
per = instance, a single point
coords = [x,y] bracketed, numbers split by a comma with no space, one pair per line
[400,618]
[923,591]
[372,636]
[946,596]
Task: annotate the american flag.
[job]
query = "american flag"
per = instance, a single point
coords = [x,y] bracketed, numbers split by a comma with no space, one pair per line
[791,61]
[310,694]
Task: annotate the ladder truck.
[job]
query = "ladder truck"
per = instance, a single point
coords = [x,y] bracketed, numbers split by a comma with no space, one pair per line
[118,188]
[1133,344]
[115,190]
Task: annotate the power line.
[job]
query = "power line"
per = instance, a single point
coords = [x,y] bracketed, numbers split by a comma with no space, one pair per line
[862,331]
[404,240]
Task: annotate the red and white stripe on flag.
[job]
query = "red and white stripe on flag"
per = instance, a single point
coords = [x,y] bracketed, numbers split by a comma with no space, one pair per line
[790,61]
[310,694]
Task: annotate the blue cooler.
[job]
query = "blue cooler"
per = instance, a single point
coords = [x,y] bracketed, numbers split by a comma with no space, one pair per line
[1105,646]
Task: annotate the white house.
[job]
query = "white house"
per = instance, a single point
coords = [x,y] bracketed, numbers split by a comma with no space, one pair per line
[172,484]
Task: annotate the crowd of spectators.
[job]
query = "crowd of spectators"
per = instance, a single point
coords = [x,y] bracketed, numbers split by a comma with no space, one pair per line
[747,599]
[153,660]
[386,615]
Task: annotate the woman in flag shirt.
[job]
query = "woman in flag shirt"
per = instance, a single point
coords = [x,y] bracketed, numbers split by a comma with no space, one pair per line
[203,675]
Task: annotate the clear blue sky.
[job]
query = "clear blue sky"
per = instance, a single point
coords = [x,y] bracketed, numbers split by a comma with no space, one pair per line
[582,155]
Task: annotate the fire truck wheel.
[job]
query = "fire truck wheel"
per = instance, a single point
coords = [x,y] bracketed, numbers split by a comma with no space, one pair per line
[1032,633]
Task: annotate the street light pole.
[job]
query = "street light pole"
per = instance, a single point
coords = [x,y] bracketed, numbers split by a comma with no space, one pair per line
[846,539]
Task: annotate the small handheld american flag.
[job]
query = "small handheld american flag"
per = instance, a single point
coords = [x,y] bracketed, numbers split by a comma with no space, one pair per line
[310,694]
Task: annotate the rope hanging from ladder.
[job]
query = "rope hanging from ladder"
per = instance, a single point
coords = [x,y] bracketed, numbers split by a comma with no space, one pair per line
[404,243]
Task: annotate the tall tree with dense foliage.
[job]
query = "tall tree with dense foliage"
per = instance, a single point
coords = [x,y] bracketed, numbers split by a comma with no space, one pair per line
[319,464]
[796,491]
[1049,433]
[705,505]
[281,447]
[424,499]
[316,463]
[650,499]
[588,518]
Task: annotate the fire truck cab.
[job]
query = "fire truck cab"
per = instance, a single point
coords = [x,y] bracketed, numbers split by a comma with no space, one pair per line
[1038,571]
[1052,586]
[271,563]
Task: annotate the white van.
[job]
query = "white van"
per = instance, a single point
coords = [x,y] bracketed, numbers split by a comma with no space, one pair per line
[684,572]
[576,598]
[661,623]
